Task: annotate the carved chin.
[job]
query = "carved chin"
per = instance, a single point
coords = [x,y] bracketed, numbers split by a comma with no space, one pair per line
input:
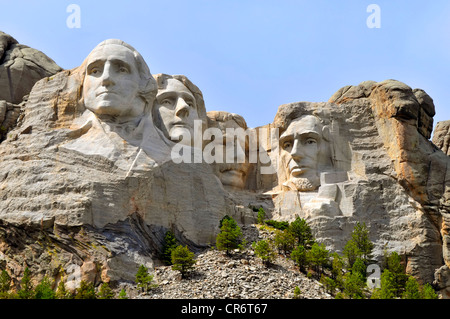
[232,178]
[305,184]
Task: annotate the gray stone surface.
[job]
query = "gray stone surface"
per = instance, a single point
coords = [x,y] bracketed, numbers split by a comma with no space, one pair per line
[441,136]
[20,67]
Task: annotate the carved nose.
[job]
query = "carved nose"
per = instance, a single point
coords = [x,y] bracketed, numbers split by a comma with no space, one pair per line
[297,150]
[182,109]
[106,76]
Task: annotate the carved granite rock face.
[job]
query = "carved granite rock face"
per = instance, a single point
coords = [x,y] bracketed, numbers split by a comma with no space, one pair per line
[68,165]
[232,173]
[91,164]
[179,103]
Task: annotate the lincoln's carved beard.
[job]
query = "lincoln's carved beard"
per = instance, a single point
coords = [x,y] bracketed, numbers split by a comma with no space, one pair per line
[303,184]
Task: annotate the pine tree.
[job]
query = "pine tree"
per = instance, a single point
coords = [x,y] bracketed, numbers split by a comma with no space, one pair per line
[5,283]
[297,292]
[62,292]
[229,237]
[351,252]
[284,241]
[302,232]
[427,292]
[261,215]
[26,288]
[226,217]
[318,257]
[353,285]
[359,267]
[263,249]
[398,271]
[44,289]
[123,294]
[387,289]
[412,289]
[105,291]
[144,279]
[170,243]
[86,291]
[298,255]
[183,260]
[359,246]
[337,272]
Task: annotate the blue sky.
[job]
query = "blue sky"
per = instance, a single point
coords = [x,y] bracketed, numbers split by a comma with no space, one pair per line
[249,57]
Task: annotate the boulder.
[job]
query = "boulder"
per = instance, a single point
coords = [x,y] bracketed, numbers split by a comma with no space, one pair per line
[20,68]
[441,136]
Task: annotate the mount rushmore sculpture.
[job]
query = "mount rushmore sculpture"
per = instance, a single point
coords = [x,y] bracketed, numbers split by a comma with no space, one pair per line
[105,158]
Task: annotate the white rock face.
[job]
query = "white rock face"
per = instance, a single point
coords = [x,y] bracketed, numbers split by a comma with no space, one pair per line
[92,158]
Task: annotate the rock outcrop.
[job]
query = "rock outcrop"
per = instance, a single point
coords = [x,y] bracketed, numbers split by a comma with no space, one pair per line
[20,68]
[105,158]
[441,136]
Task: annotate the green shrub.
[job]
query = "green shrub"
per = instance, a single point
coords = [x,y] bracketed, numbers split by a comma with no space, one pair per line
[261,215]
[427,292]
[412,289]
[230,236]
[86,291]
[105,291]
[144,279]
[62,292]
[299,256]
[26,288]
[353,285]
[183,260]
[284,241]
[5,282]
[123,294]
[281,225]
[388,286]
[359,246]
[297,292]
[170,243]
[44,290]
[318,257]
[263,249]
[302,232]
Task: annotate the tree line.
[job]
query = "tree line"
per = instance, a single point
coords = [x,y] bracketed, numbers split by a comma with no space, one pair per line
[343,276]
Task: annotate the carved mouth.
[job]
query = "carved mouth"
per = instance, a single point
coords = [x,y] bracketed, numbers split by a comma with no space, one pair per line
[235,172]
[180,124]
[298,170]
[105,92]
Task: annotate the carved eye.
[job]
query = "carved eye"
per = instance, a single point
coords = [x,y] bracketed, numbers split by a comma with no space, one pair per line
[94,71]
[287,145]
[123,69]
[310,141]
[166,102]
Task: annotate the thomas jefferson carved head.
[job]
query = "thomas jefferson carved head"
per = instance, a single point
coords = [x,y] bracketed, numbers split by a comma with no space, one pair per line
[179,103]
